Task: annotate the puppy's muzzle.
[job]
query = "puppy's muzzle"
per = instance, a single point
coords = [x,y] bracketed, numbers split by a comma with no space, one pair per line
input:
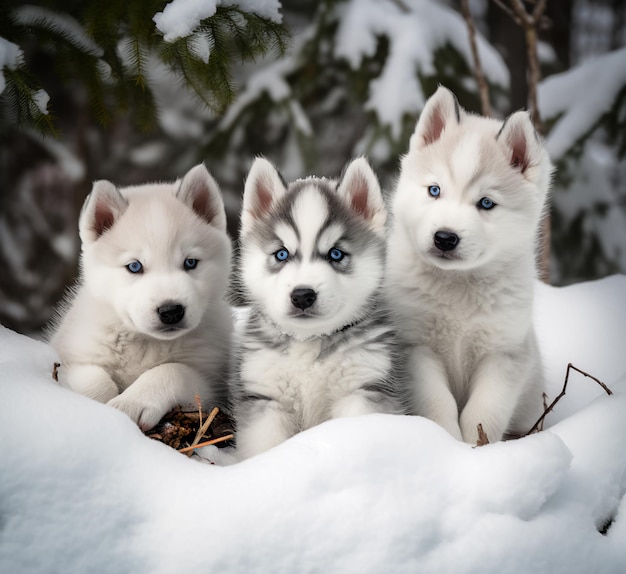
[303,297]
[446,240]
[171,314]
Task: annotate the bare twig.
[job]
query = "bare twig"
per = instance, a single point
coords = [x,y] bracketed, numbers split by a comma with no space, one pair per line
[189,449]
[55,371]
[483,88]
[606,389]
[529,22]
[544,397]
[206,425]
[508,11]
[549,409]
[201,430]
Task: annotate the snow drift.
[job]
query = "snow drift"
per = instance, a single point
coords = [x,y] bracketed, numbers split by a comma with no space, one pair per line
[81,489]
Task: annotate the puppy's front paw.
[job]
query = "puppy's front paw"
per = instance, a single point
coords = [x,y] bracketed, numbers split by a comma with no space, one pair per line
[146,415]
[89,380]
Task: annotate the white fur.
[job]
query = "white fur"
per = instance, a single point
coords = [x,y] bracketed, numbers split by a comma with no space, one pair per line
[113,345]
[466,313]
[305,390]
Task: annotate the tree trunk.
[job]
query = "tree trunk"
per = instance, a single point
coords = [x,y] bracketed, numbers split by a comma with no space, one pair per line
[508,38]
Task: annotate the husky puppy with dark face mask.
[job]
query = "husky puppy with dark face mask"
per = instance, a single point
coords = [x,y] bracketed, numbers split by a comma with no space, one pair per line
[317,344]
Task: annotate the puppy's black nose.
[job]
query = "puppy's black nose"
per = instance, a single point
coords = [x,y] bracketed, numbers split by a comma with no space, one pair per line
[303,297]
[171,314]
[446,241]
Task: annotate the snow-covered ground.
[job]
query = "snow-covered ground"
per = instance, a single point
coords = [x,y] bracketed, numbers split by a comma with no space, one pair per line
[82,490]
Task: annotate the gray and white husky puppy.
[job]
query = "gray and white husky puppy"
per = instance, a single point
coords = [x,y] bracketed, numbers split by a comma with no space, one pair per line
[317,344]
[147,326]
[461,268]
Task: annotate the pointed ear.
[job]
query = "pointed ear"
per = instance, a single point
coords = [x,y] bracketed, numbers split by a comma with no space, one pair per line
[360,190]
[200,191]
[263,186]
[440,110]
[520,141]
[102,208]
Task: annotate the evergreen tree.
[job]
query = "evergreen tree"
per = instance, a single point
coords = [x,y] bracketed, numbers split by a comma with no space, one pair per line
[105,67]
[587,142]
[107,45]
[327,101]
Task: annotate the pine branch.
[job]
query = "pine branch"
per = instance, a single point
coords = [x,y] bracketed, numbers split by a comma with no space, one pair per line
[19,100]
[233,35]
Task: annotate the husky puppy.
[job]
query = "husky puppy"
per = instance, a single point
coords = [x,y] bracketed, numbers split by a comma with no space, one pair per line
[146,327]
[461,268]
[316,344]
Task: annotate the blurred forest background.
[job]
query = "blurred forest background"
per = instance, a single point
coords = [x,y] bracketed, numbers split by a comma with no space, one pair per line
[95,90]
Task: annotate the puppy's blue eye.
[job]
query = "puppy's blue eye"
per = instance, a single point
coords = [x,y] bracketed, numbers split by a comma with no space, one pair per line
[281,255]
[486,203]
[336,254]
[434,191]
[190,263]
[135,267]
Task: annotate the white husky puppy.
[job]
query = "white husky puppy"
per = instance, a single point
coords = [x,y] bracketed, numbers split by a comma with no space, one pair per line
[146,328]
[316,344]
[461,268]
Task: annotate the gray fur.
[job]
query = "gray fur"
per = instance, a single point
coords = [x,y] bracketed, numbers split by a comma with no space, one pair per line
[340,358]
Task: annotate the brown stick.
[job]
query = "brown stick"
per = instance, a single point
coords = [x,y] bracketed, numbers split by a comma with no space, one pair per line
[483,88]
[562,394]
[203,428]
[534,77]
[189,449]
[205,425]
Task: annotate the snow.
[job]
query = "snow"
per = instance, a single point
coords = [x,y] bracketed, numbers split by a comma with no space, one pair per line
[179,116]
[181,17]
[71,164]
[41,99]
[270,80]
[264,8]
[579,98]
[81,489]
[593,195]
[200,45]
[416,29]
[11,56]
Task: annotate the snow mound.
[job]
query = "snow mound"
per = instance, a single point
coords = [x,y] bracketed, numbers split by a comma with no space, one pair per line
[82,490]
